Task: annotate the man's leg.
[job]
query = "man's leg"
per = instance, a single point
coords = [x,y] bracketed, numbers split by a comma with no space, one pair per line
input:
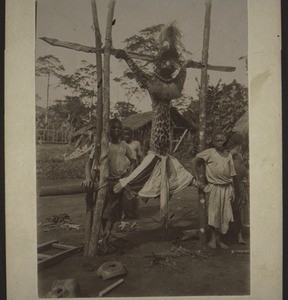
[212,242]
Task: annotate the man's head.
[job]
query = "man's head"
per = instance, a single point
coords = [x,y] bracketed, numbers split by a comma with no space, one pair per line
[219,140]
[127,134]
[116,128]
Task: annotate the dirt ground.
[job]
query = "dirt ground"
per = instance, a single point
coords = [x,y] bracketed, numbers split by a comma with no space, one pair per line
[201,272]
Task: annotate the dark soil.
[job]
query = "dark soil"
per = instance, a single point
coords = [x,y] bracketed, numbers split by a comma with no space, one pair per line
[201,272]
[204,272]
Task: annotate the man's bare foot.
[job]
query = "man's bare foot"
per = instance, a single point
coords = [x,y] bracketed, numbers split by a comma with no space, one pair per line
[212,244]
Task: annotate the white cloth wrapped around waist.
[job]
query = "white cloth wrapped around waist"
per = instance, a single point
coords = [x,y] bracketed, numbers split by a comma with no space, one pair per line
[220,212]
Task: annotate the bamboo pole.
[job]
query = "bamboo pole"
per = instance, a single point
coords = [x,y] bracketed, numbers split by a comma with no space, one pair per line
[202,121]
[90,204]
[97,219]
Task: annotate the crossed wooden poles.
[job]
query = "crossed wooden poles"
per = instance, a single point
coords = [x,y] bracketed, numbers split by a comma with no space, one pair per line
[135,55]
[94,211]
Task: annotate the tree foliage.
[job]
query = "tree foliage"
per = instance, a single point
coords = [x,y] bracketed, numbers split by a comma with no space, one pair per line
[48,65]
[82,82]
[145,41]
[71,111]
[77,109]
[226,103]
[124,109]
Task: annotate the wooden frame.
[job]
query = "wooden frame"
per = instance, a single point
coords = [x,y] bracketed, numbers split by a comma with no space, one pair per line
[47,260]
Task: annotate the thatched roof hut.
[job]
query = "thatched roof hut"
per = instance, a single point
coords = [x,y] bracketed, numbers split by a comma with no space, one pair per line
[140,120]
[141,127]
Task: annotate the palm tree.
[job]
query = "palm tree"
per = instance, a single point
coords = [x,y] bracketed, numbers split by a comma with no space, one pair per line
[46,66]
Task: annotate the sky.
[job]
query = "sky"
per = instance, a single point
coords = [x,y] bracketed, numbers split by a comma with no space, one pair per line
[71,20]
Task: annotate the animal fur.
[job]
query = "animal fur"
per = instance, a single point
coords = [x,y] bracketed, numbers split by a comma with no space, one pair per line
[169,36]
[168,91]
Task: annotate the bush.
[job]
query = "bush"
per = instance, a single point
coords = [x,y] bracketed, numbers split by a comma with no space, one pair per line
[51,163]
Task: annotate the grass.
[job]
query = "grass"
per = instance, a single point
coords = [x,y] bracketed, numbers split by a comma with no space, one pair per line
[52,165]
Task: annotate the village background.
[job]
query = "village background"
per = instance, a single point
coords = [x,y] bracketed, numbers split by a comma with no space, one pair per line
[69,92]
[65,118]
[265,150]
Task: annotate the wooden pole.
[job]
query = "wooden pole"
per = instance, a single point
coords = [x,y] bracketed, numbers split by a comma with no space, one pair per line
[90,204]
[202,122]
[135,55]
[47,101]
[164,194]
[97,219]
[88,49]
[180,141]
[110,287]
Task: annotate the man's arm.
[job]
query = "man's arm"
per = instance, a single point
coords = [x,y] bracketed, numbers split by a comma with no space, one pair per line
[141,77]
[90,173]
[130,156]
[192,64]
[194,167]
[88,181]
[195,162]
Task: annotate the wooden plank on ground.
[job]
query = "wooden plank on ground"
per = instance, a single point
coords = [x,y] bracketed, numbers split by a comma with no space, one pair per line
[45,263]
[46,245]
[62,246]
[69,189]
[43,256]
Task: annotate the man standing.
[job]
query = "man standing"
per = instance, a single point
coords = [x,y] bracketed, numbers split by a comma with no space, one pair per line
[130,201]
[133,145]
[121,162]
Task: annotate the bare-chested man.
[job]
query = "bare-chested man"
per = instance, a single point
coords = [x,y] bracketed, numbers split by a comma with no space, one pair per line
[130,201]
[133,145]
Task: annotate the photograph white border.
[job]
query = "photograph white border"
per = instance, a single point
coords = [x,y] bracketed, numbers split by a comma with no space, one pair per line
[264,65]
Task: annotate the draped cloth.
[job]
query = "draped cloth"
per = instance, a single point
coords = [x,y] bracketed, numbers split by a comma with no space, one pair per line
[219,206]
[158,175]
[146,178]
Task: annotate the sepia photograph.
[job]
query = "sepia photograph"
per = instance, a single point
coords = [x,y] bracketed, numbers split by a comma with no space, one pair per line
[144,150]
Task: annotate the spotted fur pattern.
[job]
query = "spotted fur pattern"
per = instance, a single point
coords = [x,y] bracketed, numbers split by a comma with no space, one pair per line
[160,131]
[161,95]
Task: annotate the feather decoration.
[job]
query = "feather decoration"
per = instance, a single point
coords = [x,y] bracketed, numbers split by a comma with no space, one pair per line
[169,36]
